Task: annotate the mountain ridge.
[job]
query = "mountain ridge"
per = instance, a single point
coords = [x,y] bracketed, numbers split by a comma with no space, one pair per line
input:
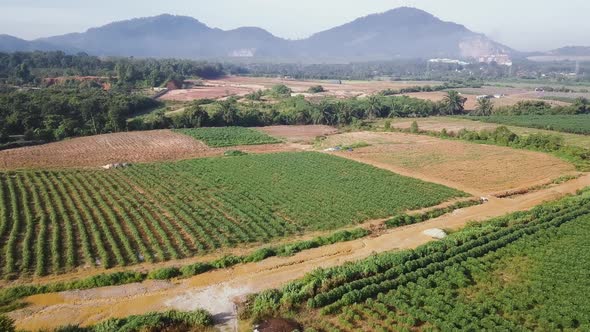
[398,33]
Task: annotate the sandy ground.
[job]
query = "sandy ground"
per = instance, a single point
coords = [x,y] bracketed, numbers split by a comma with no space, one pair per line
[133,147]
[474,168]
[240,86]
[455,124]
[218,290]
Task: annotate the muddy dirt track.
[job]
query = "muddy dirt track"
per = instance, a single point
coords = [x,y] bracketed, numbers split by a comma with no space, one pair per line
[216,290]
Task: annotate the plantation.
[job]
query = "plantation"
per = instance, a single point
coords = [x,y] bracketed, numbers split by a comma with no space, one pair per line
[229,136]
[575,124]
[57,221]
[526,271]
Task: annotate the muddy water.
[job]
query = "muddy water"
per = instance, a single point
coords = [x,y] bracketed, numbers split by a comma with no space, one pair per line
[217,290]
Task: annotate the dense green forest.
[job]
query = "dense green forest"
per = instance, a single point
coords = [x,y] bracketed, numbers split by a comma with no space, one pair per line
[54,114]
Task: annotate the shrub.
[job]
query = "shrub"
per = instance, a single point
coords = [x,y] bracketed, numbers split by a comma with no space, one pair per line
[6,324]
[164,273]
[194,269]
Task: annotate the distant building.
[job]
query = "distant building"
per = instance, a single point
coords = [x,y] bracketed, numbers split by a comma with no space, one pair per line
[501,59]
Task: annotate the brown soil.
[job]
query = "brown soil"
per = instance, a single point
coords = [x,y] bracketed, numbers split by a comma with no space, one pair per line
[299,134]
[235,85]
[133,147]
[474,168]
[217,290]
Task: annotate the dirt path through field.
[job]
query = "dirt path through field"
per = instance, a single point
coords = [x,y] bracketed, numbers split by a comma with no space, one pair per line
[216,291]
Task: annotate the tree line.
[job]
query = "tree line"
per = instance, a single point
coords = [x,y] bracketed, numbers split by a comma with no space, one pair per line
[30,68]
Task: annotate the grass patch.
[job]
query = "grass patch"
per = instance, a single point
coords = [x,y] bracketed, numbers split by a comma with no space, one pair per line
[229,136]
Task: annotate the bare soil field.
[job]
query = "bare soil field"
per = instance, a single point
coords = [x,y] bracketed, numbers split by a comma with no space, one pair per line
[456,124]
[240,86]
[299,134]
[216,291]
[471,104]
[133,147]
[474,168]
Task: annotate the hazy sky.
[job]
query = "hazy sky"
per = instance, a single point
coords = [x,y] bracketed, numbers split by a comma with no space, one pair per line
[523,24]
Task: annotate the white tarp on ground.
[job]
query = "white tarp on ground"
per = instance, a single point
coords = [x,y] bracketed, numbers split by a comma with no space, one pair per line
[436,233]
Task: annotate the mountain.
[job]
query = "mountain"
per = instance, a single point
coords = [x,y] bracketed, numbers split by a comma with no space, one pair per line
[571,51]
[399,33]
[402,32]
[13,44]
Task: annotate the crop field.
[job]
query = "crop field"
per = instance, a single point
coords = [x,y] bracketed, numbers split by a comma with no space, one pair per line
[455,124]
[474,168]
[229,136]
[57,221]
[576,124]
[526,271]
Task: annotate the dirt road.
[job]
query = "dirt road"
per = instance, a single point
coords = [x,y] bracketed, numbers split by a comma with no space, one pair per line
[215,291]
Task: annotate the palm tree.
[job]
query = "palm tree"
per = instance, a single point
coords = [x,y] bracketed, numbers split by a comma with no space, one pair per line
[373,109]
[484,107]
[454,103]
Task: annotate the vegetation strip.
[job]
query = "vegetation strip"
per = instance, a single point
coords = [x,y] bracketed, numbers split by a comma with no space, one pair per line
[156,321]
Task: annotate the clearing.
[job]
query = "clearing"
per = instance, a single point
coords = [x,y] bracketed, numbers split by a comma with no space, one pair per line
[474,168]
[240,86]
[299,134]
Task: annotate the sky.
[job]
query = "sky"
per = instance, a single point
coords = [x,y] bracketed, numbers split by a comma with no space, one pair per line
[526,25]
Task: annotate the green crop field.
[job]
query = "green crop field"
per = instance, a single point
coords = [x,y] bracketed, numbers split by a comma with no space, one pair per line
[229,136]
[56,221]
[526,271]
[576,124]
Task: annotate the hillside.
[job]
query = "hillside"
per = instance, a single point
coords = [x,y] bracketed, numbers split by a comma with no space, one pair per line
[399,33]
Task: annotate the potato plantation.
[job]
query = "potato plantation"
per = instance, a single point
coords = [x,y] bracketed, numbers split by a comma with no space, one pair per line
[575,124]
[526,271]
[229,136]
[56,221]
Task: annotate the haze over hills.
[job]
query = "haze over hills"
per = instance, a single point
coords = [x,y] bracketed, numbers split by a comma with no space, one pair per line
[399,33]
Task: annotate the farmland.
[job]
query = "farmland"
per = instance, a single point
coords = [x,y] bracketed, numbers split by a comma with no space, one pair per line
[229,136]
[455,124]
[134,147]
[522,271]
[452,163]
[575,124]
[57,221]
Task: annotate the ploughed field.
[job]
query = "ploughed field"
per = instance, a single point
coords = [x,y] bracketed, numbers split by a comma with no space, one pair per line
[525,271]
[134,147]
[55,221]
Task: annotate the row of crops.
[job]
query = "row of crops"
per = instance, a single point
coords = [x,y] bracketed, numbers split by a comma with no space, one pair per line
[57,221]
[576,124]
[527,271]
[229,136]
